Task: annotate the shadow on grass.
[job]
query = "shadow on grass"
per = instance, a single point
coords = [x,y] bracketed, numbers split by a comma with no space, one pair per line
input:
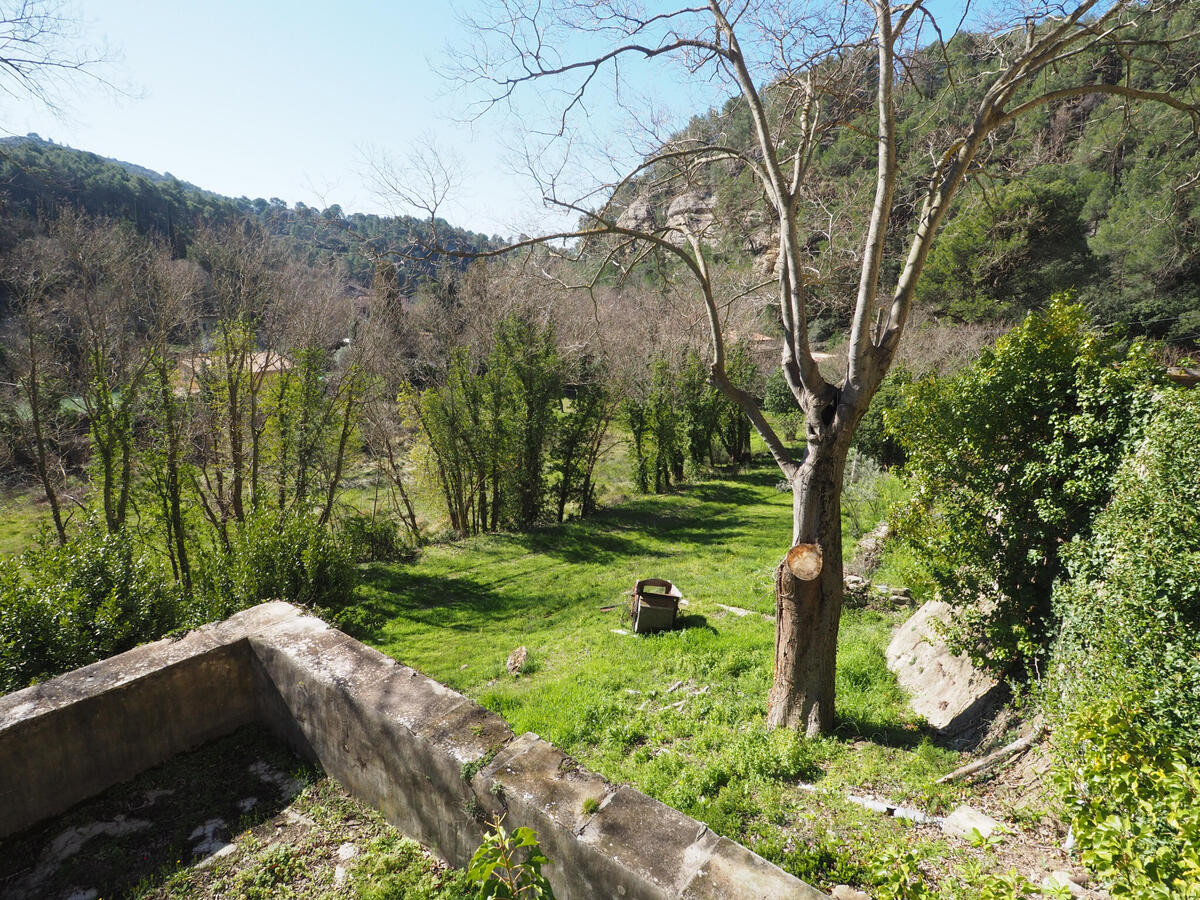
[694,620]
[635,528]
[886,734]
[455,600]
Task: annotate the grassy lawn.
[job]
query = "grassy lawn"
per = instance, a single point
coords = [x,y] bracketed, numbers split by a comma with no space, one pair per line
[23,512]
[678,714]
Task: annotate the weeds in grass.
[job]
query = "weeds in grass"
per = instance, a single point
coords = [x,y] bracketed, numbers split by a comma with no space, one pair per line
[680,714]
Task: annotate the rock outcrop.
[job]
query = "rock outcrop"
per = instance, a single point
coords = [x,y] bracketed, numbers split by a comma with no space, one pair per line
[950,692]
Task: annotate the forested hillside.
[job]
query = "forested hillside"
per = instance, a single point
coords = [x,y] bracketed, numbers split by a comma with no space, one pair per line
[41,177]
[1095,194]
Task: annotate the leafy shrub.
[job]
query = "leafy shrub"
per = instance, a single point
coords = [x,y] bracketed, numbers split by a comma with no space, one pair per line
[509,867]
[678,417]
[777,395]
[1134,802]
[872,437]
[64,607]
[1125,681]
[374,538]
[392,867]
[1011,458]
[278,556]
[1131,607]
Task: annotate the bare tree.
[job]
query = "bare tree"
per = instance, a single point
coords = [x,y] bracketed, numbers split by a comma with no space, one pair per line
[802,72]
[40,50]
[35,371]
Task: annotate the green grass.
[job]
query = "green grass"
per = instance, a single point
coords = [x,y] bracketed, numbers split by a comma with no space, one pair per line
[607,698]
[23,513]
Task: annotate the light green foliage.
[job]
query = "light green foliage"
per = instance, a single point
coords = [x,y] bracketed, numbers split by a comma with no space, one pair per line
[658,441]
[509,866]
[777,395]
[1131,605]
[679,418]
[299,422]
[1134,801]
[698,405]
[63,607]
[495,432]
[779,399]
[525,357]
[1012,457]
[392,867]
[898,876]
[271,874]
[1125,685]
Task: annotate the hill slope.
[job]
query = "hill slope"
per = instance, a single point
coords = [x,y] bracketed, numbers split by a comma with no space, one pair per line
[40,176]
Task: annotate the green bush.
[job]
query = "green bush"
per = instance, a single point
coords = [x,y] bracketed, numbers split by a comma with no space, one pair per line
[374,538]
[1130,608]
[1134,802]
[277,556]
[1011,458]
[872,436]
[1124,686]
[777,395]
[64,607]
[509,867]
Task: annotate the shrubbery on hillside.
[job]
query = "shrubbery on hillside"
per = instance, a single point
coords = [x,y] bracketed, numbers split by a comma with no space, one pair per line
[1012,457]
[1125,682]
[62,607]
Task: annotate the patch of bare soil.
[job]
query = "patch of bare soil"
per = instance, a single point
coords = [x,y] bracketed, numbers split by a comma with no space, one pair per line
[1031,839]
[241,817]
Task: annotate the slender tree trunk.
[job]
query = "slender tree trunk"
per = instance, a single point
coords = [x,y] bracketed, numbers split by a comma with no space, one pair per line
[41,453]
[172,499]
[335,477]
[808,609]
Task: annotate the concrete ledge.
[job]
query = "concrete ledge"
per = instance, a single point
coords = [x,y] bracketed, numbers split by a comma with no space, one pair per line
[395,738]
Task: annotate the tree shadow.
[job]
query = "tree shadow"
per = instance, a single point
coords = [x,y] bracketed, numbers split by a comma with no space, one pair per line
[886,734]
[695,620]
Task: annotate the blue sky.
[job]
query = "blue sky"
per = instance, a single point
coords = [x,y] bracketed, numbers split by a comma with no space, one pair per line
[267,99]
[272,99]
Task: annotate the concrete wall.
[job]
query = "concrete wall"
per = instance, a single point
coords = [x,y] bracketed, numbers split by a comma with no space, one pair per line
[395,738]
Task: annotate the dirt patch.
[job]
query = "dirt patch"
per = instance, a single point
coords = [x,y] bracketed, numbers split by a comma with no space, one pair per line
[239,818]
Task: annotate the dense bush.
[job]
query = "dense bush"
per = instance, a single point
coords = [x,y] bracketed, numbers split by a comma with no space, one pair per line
[102,594]
[873,437]
[374,538]
[64,607]
[680,421]
[1125,683]
[276,556]
[1012,457]
[1133,801]
[496,441]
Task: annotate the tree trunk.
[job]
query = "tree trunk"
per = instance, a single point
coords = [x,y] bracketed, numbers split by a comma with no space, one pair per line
[808,609]
[41,452]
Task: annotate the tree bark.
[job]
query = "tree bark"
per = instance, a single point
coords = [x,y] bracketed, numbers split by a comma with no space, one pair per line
[809,610]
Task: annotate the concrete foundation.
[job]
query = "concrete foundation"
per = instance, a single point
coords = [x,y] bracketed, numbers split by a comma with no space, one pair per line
[434,762]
